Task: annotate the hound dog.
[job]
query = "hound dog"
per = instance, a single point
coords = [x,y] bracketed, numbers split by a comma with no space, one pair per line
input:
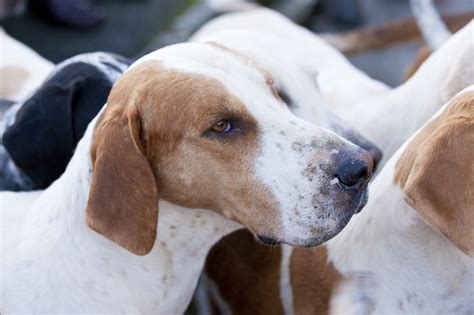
[198,132]
[379,117]
[41,132]
[415,236]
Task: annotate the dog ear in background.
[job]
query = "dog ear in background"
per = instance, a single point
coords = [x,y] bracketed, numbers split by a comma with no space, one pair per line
[5,105]
[48,126]
[437,165]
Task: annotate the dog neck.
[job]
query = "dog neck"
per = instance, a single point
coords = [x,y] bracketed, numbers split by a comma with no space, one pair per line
[411,262]
[60,265]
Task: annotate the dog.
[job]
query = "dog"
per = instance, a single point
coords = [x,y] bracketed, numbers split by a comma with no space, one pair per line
[41,132]
[415,235]
[199,132]
[379,117]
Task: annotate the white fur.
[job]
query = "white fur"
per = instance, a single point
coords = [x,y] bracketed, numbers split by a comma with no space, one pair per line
[16,54]
[416,269]
[286,290]
[433,28]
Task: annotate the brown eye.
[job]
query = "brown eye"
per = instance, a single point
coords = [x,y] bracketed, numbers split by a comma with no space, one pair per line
[222,126]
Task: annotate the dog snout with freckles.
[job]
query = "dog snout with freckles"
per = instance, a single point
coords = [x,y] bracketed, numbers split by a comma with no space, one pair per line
[319,179]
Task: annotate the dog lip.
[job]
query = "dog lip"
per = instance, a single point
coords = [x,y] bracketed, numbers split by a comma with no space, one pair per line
[268,240]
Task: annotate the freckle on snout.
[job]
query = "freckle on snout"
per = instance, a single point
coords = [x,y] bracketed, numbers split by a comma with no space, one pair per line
[297,146]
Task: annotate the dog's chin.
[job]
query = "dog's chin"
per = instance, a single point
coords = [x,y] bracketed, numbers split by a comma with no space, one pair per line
[324,235]
[268,240]
[310,242]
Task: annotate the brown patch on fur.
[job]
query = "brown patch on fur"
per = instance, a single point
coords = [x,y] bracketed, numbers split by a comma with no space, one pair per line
[266,74]
[247,274]
[436,172]
[313,279]
[12,79]
[152,140]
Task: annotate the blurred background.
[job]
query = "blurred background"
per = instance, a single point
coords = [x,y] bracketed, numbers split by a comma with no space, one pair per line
[58,29]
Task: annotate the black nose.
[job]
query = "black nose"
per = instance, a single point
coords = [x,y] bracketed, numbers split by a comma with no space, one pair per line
[373,151]
[354,169]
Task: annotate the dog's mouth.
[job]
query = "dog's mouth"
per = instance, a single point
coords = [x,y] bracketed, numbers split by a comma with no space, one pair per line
[360,200]
[307,243]
[268,240]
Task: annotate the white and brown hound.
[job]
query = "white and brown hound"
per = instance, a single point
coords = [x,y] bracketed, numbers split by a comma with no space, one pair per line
[198,132]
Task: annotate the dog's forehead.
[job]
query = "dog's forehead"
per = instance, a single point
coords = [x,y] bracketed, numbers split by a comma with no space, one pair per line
[235,72]
[239,75]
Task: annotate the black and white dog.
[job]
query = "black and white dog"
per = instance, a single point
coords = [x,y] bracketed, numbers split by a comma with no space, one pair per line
[41,132]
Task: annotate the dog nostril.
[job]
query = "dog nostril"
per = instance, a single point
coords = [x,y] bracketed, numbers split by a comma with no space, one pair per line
[354,170]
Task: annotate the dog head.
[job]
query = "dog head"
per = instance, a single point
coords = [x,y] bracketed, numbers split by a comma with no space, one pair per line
[436,172]
[295,81]
[203,127]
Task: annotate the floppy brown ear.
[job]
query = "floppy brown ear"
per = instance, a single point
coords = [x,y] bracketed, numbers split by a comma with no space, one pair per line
[436,173]
[123,202]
